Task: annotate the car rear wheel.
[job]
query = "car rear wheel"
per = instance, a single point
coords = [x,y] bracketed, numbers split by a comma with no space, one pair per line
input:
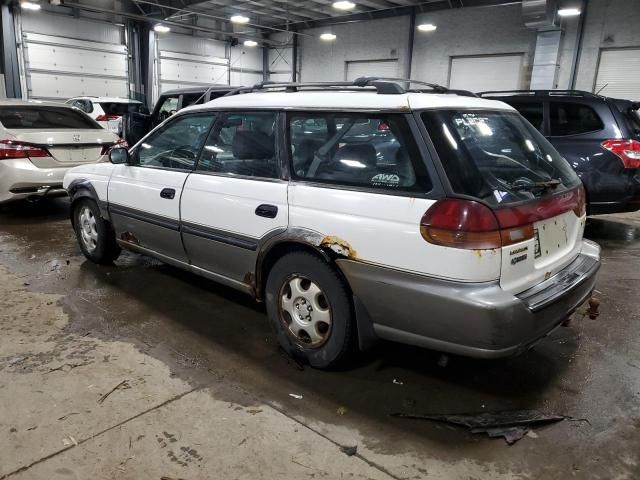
[95,235]
[309,307]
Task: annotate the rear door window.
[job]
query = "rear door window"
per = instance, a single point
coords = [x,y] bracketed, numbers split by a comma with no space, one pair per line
[243,144]
[496,156]
[39,117]
[573,119]
[532,111]
[362,150]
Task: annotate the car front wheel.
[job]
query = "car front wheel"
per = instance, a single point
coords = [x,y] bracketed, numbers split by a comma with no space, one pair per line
[309,307]
[95,235]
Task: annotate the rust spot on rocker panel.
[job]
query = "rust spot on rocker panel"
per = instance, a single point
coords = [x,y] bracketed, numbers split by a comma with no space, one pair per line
[339,246]
[129,238]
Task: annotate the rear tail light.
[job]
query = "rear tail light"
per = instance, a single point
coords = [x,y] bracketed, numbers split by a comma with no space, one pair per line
[627,150]
[105,118]
[13,149]
[120,143]
[457,223]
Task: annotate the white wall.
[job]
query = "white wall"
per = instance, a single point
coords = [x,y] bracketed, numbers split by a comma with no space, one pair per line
[470,31]
[383,39]
[609,24]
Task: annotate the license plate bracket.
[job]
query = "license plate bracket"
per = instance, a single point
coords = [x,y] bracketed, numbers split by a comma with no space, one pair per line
[537,252]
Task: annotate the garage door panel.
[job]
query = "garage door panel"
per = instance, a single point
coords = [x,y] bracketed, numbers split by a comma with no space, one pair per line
[74,60]
[371,68]
[488,72]
[246,78]
[50,86]
[190,72]
[619,73]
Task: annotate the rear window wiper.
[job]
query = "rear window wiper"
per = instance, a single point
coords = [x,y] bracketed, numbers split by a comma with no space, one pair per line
[547,185]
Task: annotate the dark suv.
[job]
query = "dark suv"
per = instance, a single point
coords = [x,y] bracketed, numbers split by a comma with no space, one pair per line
[137,125]
[599,136]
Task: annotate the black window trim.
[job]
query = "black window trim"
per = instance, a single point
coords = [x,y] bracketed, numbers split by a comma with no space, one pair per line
[222,114]
[433,192]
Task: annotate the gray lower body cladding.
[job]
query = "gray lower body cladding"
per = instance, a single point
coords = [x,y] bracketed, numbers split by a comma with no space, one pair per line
[471,319]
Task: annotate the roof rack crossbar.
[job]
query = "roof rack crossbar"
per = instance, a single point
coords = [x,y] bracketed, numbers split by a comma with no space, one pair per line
[382,85]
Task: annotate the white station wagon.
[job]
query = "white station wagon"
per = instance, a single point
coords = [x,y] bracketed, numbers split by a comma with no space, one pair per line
[356,212]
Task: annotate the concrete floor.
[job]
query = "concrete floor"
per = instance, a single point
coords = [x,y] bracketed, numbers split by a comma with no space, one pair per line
[203,392]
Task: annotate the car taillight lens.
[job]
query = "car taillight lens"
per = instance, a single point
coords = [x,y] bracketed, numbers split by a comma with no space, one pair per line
[627,150]
[104,118]
[13,149]
[457,223]
[120,143]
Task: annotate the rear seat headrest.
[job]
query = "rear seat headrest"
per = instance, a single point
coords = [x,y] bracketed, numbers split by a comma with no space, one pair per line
[253,146]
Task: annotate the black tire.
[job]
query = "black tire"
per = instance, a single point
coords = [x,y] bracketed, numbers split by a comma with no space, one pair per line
[106,249]
[339,339]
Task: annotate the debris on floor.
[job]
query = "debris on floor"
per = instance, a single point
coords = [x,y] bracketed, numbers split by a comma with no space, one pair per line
[594,305]
[397,382]
[349,451]
[122,385]
[296,396]
[342,411]
[511,425]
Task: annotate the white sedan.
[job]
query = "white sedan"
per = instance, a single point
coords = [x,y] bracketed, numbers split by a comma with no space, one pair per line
[40,141]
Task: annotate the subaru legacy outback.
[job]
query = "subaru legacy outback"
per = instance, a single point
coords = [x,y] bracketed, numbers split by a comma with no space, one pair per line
[355,212]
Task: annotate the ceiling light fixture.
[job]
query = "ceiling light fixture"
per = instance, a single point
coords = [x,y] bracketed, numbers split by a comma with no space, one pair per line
[30,5]
[161,28]
[569,12]
[344,5]
[239,19]
[427,27]
[327,37]
[250,43]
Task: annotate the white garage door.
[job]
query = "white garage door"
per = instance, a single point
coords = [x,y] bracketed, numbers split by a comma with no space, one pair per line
[371,68]
[182,70]
[487,72]
[88,58]
[619,73]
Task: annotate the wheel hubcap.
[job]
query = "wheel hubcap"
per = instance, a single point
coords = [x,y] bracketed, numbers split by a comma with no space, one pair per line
[305,311]
[88,231]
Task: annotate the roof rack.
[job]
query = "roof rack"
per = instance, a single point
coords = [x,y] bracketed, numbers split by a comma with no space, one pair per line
[548,93]
[382,85]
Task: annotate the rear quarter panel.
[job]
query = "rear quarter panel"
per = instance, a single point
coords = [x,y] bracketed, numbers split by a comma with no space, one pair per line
[384,230]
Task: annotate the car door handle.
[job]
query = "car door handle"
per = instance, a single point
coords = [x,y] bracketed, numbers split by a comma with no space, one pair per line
[169,193]
[268,211]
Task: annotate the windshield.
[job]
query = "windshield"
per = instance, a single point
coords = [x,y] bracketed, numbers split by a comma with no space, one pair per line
[120,108]
[497,156]
[37,117]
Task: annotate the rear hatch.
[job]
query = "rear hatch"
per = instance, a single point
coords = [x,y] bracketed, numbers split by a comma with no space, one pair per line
[497,162]
[56,136]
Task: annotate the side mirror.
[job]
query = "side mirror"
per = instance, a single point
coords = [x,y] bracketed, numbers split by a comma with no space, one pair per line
[118,156]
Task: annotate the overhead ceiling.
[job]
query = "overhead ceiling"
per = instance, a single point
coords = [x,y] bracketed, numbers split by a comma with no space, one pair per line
[269,14]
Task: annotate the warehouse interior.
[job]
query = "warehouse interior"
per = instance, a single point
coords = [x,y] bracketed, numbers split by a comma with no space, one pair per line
[121,360]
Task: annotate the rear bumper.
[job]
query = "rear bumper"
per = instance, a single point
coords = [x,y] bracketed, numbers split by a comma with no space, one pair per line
[471,319]
[19,179]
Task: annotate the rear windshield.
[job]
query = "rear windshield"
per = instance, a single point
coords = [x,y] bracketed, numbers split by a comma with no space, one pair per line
[120,108]
[37,117]
[497,156]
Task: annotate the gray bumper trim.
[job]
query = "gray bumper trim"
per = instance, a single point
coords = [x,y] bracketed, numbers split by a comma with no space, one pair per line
[472,319]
